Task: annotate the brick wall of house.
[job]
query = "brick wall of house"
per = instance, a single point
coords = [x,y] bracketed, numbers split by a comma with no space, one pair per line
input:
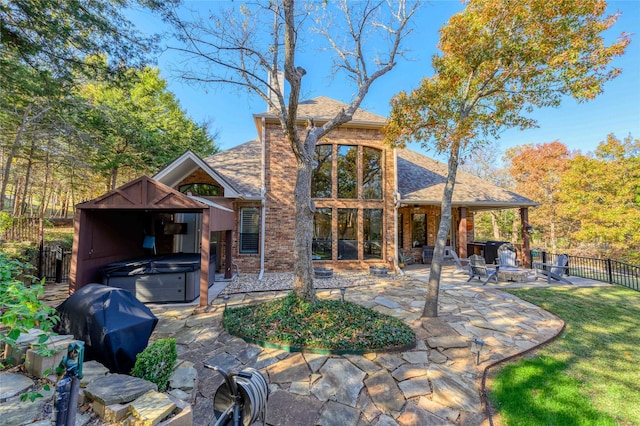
[280,209]
[280,176]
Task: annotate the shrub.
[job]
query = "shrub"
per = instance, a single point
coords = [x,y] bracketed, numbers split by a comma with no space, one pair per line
[21,307]
[332,325]
[156,362]
[5,221]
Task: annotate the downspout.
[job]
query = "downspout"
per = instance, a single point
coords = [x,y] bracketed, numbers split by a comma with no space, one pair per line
[396,205]
[263,198]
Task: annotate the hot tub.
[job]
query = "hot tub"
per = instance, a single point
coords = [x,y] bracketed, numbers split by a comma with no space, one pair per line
[159,279]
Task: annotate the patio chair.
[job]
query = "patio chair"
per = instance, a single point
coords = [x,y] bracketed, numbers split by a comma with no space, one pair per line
[479,269]
[459,268]
[407,260]
[507,256]
[149,244]
[554,270]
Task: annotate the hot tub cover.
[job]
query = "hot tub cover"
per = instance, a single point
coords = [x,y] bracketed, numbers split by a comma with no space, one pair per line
[176,262]
[114,325]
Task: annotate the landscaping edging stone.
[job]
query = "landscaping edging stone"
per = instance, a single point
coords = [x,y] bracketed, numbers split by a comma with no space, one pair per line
[321,351]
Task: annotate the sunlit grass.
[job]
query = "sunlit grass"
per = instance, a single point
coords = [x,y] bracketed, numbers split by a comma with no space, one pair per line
[589,375]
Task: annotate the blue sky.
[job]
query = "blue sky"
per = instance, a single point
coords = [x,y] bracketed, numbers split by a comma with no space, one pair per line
[580,126]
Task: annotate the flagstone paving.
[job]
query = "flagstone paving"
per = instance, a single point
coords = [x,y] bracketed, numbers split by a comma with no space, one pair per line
[435,383]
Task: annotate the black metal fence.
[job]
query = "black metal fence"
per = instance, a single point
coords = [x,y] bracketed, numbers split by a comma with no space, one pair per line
[54,264]
[606,270]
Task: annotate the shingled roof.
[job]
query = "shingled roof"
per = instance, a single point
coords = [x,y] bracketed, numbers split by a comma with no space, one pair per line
[421,179]
[240,166]
[324,109]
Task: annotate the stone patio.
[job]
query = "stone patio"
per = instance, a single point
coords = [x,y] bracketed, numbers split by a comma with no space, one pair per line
[436,383]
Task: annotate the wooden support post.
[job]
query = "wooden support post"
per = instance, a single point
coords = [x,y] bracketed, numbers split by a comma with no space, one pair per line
[526,239]
[462,233]
[228,254]
[204,257]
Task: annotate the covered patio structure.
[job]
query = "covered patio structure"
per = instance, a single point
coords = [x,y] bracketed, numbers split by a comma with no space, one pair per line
[147,218]
[421,182]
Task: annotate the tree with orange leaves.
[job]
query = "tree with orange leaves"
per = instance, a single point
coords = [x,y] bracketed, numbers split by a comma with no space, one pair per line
[537,171]
[601,195]
[500,59]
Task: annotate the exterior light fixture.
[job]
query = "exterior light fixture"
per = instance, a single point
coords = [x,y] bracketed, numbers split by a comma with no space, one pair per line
[479,344]
[226,300]
[343,290]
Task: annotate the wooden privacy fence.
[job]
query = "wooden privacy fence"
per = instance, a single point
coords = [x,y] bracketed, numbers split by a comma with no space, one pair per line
[52,263]
[22,229]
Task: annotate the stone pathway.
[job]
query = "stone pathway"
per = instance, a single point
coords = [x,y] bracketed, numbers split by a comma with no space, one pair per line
[436,383]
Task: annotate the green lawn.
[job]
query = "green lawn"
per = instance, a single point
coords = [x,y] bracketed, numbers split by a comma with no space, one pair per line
[589,375]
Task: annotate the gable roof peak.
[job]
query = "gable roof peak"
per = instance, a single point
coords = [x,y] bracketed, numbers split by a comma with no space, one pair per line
[323,108]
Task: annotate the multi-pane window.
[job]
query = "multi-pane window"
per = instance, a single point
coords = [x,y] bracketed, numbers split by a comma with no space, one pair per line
[205,189]
[249,230]
[346,174]
[372,225]
[321,244]
[371,173]
[347,234]
[419,229]
[321,180]
[347,171]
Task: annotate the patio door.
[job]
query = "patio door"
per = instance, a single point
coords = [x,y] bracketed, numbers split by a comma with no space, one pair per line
[189,242]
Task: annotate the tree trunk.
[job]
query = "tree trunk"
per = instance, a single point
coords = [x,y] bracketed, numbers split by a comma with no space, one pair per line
[17,188]
[12,154]
[114,179]
[27,179]
[47,195]
[65,204]
[494,225]
[302,266]
[433,285]
[515,228]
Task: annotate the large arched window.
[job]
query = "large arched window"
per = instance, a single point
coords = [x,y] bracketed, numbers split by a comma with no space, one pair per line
[204,189]
[348,182]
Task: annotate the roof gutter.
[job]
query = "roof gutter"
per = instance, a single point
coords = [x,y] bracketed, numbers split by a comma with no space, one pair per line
[471,205]
[263,199]
[396,205]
